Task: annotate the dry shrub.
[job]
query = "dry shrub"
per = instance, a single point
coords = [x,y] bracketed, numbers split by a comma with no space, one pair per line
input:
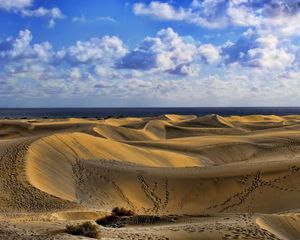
[86,229]
[106,221]
[122,212]
[116,219]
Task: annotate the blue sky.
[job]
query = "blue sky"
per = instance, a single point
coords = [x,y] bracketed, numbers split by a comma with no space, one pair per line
[98,53]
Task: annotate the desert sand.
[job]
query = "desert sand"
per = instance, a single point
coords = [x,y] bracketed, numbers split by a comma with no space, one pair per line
[217,177]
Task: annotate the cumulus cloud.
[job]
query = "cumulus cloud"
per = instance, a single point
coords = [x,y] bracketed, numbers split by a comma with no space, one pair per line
[84,56]
[265,15]
[21,48]
[160,10]
[166,66]
[20,45]
[11,48]
[104,49]
[67,71]
[165,11]
[268,54]
[261,51]
[209,53]
[168,52]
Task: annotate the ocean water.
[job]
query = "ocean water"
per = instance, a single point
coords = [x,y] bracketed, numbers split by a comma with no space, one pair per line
[139,112]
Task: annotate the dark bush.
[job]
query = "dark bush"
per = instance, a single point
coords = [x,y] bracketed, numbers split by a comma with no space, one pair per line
[116,219]
[107,221]
[146,219]
[86,229]
[122,212]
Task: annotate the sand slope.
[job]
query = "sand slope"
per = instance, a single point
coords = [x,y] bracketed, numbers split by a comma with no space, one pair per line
[286,226]
[74,169]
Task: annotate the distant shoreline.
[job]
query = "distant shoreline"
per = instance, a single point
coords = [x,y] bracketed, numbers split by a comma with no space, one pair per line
[56,113]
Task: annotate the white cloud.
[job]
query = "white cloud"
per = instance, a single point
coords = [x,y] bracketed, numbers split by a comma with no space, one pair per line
[106,19]
[242,15]
[168,52]
[43,51]
[20,48]
[265,15]
[43,12]
[264,51]
[75,73]
[268,54]
[52,13]
[209,53]
[15,4]
[51,23]
[165,11]
[104,49]
[23,7]
[160,10]
[81,19]
[20,45]
[175,69]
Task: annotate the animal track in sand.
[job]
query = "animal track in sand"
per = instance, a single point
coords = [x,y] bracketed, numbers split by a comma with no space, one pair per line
[257,182]
[158,203]
[19,193]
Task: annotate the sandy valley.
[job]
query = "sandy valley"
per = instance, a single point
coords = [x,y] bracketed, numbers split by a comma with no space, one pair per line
[207,178]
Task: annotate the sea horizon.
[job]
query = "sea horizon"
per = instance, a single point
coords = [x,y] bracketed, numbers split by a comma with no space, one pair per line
[102,112]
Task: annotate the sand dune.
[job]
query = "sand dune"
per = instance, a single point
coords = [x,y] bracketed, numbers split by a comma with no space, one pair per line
[222,177]
[50,160]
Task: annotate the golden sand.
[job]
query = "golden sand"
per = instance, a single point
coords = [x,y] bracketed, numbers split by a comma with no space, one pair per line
[223,177]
